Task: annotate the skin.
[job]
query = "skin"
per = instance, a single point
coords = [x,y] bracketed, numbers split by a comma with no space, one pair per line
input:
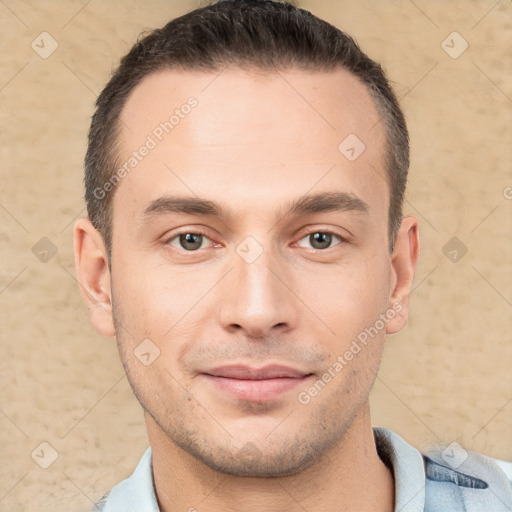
[253,145]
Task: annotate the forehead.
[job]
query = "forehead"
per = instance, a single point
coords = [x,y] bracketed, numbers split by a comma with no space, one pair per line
[234,132]
[329,101]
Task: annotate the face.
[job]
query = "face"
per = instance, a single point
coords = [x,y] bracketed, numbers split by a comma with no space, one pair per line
[251,282]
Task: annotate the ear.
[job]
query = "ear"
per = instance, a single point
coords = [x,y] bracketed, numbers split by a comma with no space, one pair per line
[91,263]
[403,265]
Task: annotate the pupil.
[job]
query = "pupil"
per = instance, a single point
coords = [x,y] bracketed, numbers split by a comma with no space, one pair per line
[320,240]
[190,241]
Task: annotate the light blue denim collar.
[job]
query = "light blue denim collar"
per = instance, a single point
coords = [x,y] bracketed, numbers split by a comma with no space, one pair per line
[422,484]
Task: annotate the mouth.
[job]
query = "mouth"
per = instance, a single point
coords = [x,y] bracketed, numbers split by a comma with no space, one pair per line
[255,384]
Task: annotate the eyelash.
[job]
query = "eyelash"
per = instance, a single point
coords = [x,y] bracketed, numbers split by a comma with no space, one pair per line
[342,239]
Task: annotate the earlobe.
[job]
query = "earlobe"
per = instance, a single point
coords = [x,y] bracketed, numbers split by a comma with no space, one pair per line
[403,265]
[91,261]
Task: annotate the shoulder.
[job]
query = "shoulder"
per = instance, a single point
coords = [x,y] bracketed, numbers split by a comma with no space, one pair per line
[466,481]
[444,480]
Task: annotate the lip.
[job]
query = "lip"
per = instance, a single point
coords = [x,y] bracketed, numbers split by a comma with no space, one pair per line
[255,384]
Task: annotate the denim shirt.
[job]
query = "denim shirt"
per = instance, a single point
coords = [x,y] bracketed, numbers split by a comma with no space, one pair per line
[450,481]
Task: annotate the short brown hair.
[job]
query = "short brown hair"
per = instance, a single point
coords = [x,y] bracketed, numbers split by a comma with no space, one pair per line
[262,34]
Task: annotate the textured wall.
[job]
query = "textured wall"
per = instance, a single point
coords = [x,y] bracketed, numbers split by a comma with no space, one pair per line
[445,378]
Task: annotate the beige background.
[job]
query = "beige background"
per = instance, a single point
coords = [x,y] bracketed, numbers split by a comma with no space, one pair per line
[445,378]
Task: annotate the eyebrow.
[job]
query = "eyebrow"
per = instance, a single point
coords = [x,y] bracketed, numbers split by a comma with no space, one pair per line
[313,203]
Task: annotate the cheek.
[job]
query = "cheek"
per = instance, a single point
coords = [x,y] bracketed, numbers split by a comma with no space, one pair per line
[149,335]
[148,292]
[166,305]
[348,298]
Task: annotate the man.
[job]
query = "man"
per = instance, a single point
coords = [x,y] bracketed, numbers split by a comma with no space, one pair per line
[245,244]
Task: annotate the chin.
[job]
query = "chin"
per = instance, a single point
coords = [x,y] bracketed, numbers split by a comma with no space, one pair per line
[251,462]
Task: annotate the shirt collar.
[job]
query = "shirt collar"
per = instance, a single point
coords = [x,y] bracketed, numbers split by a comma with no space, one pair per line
[408,469]
[137,493]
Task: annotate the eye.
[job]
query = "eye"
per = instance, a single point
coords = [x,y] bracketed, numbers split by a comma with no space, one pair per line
[321,240]
[188,241]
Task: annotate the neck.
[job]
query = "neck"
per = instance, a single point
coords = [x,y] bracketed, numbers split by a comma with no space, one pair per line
[350,477]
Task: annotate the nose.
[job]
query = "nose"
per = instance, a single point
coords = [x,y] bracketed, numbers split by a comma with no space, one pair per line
[257,297]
